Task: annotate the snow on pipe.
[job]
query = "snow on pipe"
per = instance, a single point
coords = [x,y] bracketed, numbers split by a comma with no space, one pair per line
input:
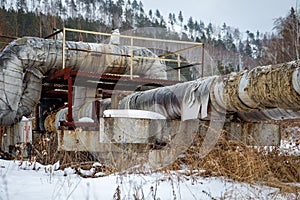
[181,100]
[25,61]
[52,122]
[263,93]
[257,90]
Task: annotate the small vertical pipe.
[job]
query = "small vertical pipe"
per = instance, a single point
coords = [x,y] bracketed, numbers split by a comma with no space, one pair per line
[114,100]
[131,57]
[1,135]
[70,96]
[178,66]
[37,117]
[202,68]
[97,110]
[63,48]
[41,29]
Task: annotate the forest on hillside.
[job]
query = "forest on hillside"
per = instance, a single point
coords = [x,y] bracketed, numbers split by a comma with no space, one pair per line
[231,49]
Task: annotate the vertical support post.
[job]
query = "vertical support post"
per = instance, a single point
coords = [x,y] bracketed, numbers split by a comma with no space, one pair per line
[202,68]
[61,137]
[37,117]
[131,57]
[114,100]
[64,48]
[97,111]
[70,96]
[1,135]
[178,66]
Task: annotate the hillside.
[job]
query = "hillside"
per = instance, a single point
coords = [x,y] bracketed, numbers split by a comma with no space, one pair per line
[225,45]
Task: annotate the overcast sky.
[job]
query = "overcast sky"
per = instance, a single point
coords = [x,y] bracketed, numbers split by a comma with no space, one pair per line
[250,15]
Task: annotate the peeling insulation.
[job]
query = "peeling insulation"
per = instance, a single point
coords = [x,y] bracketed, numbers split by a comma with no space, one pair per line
[261,88]
[272,87]
[25,61]
[184,100]
[268,91]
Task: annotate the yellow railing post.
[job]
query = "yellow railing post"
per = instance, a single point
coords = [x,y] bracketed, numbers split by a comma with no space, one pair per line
[192,45]
[131,57]
[178,66]
[202,67]
[63,48]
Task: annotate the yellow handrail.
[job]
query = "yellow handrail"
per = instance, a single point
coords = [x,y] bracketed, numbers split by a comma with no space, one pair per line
[132,38]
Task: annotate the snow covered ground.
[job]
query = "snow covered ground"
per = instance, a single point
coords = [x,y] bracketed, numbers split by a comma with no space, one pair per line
[22,180]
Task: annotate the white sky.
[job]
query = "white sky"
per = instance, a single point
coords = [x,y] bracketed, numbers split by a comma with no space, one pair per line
[250,15]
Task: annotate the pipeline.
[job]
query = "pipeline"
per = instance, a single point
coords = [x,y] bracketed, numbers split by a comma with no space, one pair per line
[265,89]
[183,100]
[25,61]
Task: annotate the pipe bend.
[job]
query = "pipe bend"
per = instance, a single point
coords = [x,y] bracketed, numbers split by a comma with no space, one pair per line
[25,61]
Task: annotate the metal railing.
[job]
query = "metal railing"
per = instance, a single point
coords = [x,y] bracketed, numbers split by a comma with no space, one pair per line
[178,52]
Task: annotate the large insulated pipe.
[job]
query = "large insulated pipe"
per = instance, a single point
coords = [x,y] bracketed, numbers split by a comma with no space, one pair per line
[25,61]
[256,90]
[183,100]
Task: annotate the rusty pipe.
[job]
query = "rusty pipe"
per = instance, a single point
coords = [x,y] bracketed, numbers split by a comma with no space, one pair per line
[25,61]
[257,90]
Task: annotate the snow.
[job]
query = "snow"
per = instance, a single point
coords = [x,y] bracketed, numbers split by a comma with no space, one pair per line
[132,113]
[290,147]
[86,119]
[25,180]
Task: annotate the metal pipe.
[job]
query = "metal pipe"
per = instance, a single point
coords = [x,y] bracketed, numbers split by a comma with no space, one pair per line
[257,90]
[183,100]
[35,57]
[25,61]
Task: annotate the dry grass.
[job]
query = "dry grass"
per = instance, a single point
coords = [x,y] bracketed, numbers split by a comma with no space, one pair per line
[230,159]
[237,161]
[46,152]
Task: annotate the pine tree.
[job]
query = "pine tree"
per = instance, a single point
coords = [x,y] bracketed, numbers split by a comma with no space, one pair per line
[120,3]
[135,6]
[141,8]
[171,21]
[87,10]
[157,14]
[73,8]
[128,18]
[248,49]
[241,47]
[224,27]
[236,34]
[288,29]
[174,18]
[190,25]
[180,17]
[150,14]
[209,32]
[258,44]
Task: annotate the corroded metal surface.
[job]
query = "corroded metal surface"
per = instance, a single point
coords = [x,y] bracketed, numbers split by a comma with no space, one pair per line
[272,114]
[183,100]
[116,131]
[25,61]
[255,134]
[261,88]
[267,92]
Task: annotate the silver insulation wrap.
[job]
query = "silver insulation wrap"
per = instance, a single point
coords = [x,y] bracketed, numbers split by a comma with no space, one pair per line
[263,93]
[25,61]
[266,90]
[184,100]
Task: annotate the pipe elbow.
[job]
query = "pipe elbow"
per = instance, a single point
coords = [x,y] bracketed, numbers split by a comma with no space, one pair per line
[9,118]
